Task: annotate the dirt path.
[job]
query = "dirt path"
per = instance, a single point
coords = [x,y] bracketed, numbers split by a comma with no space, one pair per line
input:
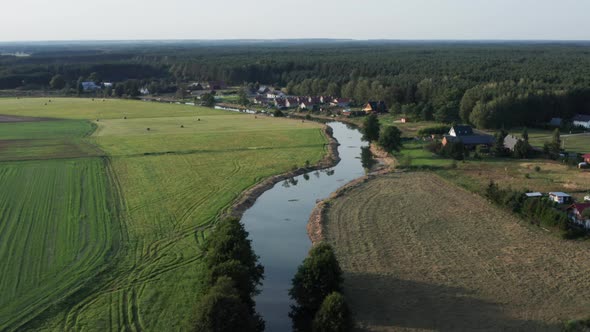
[422,254]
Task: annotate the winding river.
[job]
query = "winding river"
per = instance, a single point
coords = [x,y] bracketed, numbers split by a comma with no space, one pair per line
[277,224]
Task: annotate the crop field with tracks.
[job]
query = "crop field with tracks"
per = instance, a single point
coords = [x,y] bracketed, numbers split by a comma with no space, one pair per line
[420,253]
[163,189]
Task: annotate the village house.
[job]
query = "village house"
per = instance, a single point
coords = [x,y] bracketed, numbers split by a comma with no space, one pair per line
[586,158]
[560,197]
[576,211]
[196,86]
[326,99]
[467,136]
[534,195]
[555,122]
[291,102]
[280,103]
[216,85]
[263,90]
[307,105]
[582,120]
[340,102]
[274,94]
[375,107]
[144,91]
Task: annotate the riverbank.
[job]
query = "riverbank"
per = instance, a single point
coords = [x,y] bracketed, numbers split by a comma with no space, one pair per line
[248,197]
[385,165]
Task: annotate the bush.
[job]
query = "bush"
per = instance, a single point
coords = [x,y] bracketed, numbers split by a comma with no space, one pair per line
[537,169]
[333,316]
[278,114]
[435,130]
[371,128]
[434,147]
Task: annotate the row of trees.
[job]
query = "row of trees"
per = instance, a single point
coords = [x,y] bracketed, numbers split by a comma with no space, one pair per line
[316,290]
[234,275]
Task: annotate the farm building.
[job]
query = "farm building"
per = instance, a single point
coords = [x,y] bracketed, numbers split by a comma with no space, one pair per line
[560,197]
[582,120]
[375,107]
[467,136]
[575,212]
[533,195]
[90,86]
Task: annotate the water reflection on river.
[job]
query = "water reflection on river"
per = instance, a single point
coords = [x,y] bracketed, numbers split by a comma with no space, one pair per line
[277,224]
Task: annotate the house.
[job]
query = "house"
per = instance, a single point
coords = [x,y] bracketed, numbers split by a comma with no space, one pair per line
[555,122]
[581,120]
[262,90]
[534,195]
[260,100]
[326,99]
[576,211]
[280,103]
[510,142]
[275,94]
[560,198]
[466,135]
[403,120]
[340,102]
[195,87]
[90,86]
[307,105]
[291,102]
[375,107]
[586,158]
[144,91]
[217,85]
[350,114]
[107,84]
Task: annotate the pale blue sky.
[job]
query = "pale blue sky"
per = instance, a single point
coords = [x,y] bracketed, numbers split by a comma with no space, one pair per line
[235,19]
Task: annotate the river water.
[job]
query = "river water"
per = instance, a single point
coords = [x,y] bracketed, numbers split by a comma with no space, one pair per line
[277,224]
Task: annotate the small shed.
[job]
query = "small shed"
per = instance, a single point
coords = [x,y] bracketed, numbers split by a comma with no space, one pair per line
[533,195]
[560,197]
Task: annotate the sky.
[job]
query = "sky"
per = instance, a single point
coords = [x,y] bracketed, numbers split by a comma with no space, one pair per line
[41,20]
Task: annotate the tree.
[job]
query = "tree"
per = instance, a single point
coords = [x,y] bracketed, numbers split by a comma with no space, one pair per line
[522,149]
[208,100]
[371,128]
[245,285]
[498,148]
[525,134]
[390,139]
[243,97]
[222,310]
[333,316]
[57,82]
[317,277]
[455,150]
[119,90]
[553,149]
[79,86]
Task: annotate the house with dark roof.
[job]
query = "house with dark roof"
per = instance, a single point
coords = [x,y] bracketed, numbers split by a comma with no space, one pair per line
[555,122]
[466,135]
[217,85]
[375,107]
[340,102]
[90,86]
[581,120]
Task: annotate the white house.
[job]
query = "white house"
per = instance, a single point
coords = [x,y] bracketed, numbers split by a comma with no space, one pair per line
[144,91]
[560,197]
[582,120]
[575,213]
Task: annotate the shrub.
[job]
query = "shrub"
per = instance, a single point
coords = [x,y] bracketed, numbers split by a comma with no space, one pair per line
[390,139]
[278,114]
[371,128]
[537,169]
[333,315]
[435,130]
[434,147]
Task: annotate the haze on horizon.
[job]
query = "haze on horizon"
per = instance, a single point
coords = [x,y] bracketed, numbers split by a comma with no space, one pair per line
[42,20]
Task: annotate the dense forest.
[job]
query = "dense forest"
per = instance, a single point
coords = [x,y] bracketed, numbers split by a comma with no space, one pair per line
[486,84]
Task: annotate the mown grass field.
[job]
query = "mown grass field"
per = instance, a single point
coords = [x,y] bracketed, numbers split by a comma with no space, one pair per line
[172,182]
[419,253]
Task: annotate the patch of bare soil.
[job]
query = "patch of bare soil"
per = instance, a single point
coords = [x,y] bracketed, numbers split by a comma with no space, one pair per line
[16,118]
[421,254]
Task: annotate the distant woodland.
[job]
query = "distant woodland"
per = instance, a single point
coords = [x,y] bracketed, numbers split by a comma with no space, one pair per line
[489,85]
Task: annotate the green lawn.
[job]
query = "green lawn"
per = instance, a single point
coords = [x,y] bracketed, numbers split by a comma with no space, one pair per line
[172,183]
[413,152]
[579,143]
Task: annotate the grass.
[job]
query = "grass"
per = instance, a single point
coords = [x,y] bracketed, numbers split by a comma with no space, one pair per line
[419,253]
[172,183]
[57,231]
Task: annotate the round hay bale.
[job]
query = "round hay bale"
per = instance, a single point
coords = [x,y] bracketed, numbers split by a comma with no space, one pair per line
[148,129]
[181,126]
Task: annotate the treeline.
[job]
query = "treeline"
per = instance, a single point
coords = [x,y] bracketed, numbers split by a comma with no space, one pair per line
[488,85]
[538,211]
[233,277]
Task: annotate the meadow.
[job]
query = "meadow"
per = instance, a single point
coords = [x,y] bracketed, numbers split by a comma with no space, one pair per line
[419,253]
[171,183]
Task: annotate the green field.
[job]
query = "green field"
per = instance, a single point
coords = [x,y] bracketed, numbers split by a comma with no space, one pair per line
[172,182]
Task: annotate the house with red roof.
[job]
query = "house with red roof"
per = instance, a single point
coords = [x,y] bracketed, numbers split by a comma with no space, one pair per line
[576,214]
[586,158]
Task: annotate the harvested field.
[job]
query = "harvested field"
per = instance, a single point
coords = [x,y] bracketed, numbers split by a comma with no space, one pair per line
[14,118]
[422,254]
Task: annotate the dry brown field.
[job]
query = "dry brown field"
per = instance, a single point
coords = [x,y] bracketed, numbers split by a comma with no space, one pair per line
[422,254]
